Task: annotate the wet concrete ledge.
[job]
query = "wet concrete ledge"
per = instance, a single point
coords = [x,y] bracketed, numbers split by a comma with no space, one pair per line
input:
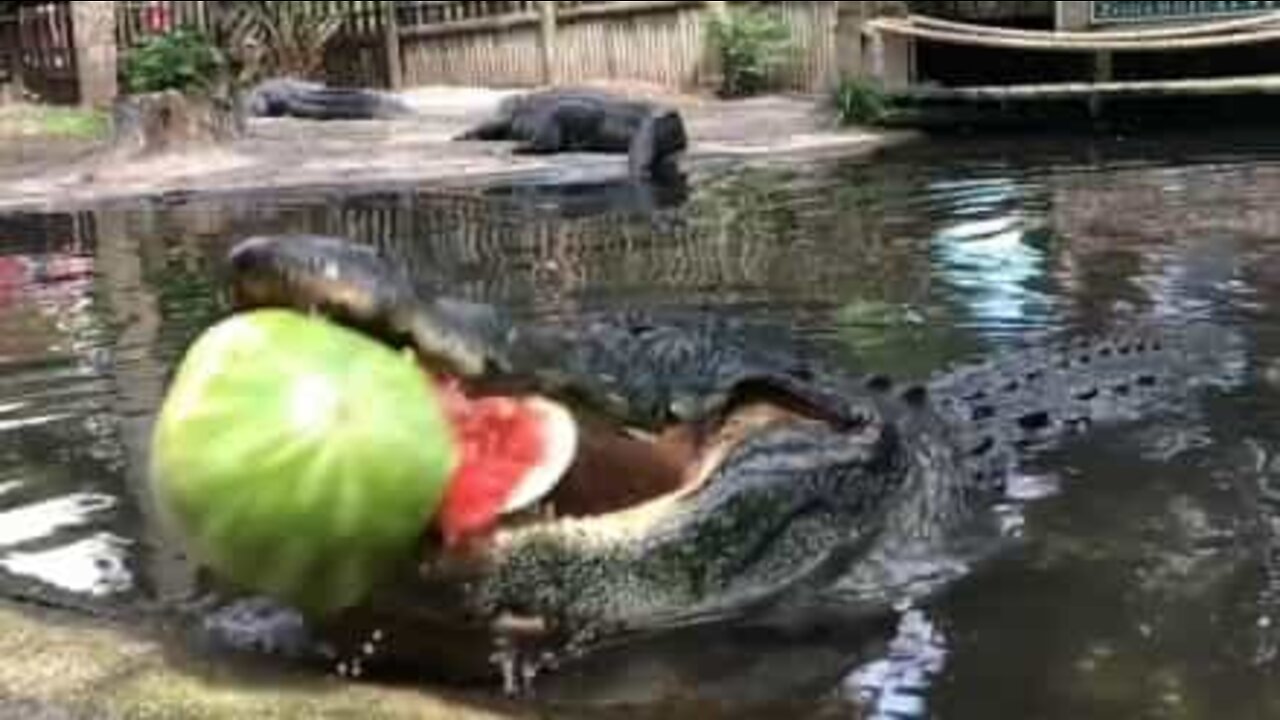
[67,667]
[419,152]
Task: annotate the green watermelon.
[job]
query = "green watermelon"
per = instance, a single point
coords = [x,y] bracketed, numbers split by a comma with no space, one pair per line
[300,459]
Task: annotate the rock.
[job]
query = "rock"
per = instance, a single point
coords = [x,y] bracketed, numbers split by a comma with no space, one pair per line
[169,120]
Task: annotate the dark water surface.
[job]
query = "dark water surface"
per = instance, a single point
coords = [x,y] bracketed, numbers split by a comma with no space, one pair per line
[1144,581]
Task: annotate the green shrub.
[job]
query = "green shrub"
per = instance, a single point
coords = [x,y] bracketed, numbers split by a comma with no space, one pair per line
[858,102]
[183,60]
[752,44]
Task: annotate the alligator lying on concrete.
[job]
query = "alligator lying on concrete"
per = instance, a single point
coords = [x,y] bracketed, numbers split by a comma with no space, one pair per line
[568,120]
[290,97]
[722,477]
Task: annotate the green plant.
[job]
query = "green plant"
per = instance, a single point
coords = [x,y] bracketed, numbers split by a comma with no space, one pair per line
[278,38]
[752,43]
[858,102]
[184,60]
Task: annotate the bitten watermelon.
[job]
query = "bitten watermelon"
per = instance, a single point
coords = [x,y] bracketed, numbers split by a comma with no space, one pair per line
[512,452]
[300,459]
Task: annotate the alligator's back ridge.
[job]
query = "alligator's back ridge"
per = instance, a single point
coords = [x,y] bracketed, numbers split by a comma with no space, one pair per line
[1026,400]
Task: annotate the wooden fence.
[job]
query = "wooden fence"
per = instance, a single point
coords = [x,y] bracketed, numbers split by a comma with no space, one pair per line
[662,42]
[9,56]
[358,55]
[44,61]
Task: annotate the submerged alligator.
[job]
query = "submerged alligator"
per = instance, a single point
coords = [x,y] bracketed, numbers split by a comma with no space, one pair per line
[290,97]
[719,477]
[569,120]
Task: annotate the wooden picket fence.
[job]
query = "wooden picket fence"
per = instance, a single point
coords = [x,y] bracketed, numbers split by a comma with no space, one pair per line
[500,43]
[658,41]
[431,42]
[9,56]
[41,55]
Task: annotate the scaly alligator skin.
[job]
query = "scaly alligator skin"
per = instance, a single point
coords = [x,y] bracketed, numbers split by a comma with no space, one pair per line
[826,500]
[568,120]
[289,97]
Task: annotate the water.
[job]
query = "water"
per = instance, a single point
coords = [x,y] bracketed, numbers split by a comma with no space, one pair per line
[1144,580]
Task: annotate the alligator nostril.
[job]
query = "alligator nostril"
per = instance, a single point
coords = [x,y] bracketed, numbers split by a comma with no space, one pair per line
[879,383]
[1034,421]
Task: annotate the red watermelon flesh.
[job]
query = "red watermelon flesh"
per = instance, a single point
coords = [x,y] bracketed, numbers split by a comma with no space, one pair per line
[512,453]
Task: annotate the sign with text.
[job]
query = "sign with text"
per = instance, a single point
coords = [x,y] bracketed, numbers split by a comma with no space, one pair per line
[1133,11]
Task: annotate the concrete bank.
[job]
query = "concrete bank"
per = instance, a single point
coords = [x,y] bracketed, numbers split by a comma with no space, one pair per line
[292,154]
[59,667]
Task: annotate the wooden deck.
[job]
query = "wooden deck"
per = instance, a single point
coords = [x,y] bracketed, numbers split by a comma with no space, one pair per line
[1210,87]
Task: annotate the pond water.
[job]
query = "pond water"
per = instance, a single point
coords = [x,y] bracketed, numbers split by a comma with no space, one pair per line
[1143,580]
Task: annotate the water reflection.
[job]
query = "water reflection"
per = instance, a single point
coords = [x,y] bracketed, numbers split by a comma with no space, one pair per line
[1143,578]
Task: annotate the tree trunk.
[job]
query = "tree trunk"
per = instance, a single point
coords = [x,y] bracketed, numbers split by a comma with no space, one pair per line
[169,121]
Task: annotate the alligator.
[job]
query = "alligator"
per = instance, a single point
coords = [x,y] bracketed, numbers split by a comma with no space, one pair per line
[727,472]
[291,97]
[572,119]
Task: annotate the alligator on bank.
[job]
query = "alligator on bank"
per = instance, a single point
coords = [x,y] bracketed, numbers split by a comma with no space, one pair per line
[570,119]
[290,97]
[788,478]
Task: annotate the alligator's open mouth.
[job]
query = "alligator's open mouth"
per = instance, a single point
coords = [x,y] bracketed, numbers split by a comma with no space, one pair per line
[584,465]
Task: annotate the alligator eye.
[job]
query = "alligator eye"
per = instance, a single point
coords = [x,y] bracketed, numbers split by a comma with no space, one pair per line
[987,445]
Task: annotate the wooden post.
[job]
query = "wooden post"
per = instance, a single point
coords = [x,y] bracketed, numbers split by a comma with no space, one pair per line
[849,50]
[1073,15]
[395,61]
[892,61]
[1103,71]
[93,29]
[547,42]
[711,72]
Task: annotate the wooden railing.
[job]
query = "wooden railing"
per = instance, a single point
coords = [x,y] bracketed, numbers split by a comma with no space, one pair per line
[417,13]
